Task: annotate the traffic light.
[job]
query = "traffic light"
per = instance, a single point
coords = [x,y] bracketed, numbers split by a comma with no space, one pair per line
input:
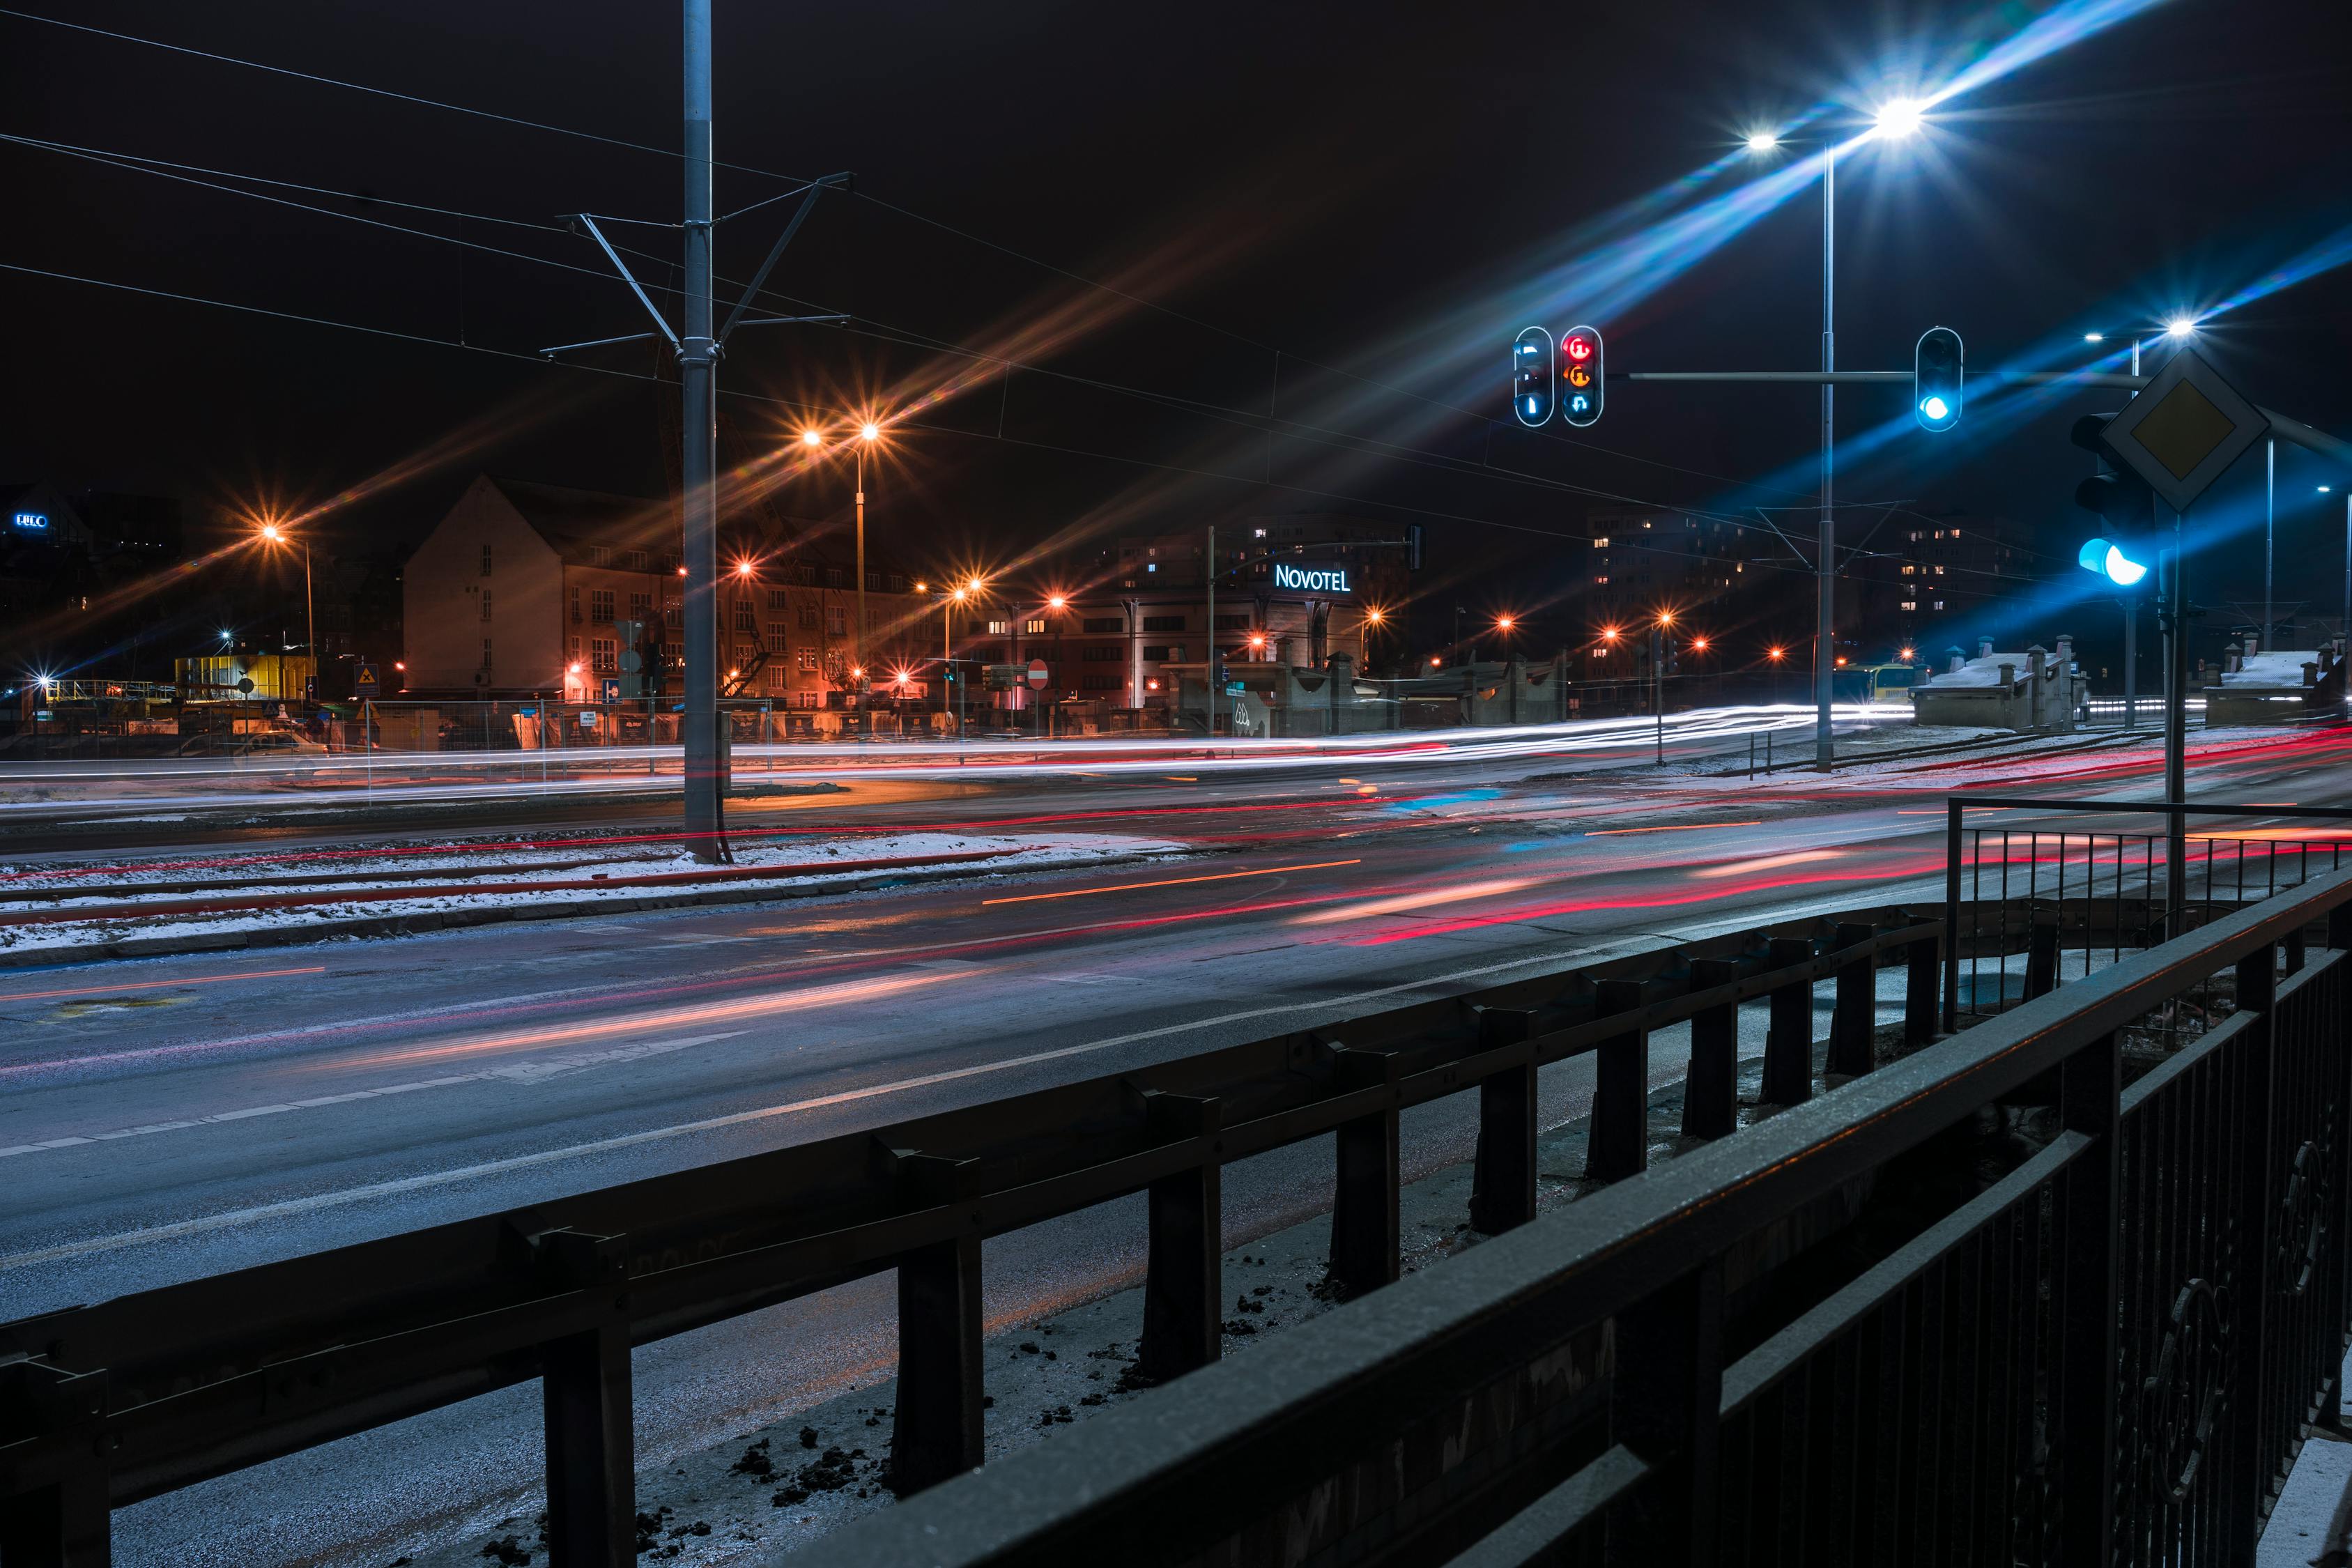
[2126,551]
[1580,376]
[1531,375]
[1936,369]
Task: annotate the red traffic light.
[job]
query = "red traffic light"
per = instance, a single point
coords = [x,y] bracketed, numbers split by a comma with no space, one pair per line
[1579,349]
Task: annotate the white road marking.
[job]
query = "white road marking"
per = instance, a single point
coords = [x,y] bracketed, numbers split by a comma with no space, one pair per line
[230,1218]
[517,1073]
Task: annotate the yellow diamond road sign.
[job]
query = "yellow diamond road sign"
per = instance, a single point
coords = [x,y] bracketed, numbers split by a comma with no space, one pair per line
[2185,427]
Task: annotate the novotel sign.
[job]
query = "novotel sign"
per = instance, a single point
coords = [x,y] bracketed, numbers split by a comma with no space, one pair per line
[1312,579]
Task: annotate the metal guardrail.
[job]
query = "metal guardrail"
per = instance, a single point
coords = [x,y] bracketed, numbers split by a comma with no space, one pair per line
[2056,891]
[2107,1355]
[105,1405]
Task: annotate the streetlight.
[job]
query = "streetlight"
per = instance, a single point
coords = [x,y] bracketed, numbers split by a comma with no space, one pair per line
[1896,119]
[1369,616]
[272,534]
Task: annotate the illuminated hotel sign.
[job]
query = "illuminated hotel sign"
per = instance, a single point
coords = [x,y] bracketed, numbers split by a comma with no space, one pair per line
[33,522]
[1312,579]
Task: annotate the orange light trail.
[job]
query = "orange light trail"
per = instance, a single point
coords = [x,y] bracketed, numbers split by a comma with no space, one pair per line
[1168,883]
[152,984]
[646,1023]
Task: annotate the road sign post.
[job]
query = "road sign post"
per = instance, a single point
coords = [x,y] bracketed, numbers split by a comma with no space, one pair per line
[2179,435]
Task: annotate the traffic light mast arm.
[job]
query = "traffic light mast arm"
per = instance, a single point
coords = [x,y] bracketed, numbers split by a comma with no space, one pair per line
[2282,427]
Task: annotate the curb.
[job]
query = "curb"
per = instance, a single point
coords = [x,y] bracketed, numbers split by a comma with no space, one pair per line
[13,834]
[432,921]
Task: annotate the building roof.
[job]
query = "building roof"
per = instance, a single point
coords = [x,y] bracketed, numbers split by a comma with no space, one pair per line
[572,522]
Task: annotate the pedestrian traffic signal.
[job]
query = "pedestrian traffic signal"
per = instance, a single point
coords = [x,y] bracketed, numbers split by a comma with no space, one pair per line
[1580,376]
[1936,369]
[1531,391]
[2126,551]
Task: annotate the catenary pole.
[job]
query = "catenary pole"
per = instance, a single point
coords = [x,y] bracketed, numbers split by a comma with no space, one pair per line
[1825,611]
[2176,732]
[698,464]
[2269,537]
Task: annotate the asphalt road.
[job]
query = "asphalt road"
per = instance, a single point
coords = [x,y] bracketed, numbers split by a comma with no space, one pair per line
[185,1116]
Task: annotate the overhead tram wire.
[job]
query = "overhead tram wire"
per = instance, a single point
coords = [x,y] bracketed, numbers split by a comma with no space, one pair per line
[1296,429]
[536,362]
[802,183]
[377,91]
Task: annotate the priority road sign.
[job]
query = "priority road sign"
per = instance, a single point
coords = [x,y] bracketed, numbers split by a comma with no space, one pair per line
[2184,429]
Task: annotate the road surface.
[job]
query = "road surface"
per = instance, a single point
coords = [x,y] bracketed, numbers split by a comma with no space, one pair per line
[170,1118]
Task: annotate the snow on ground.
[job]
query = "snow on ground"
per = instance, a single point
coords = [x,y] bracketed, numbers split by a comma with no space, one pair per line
[794,862]
[2282,667]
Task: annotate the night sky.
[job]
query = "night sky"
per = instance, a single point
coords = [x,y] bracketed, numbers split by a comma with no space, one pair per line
[1282,192]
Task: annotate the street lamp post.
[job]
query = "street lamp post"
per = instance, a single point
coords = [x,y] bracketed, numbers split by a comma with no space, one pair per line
[1897,117]
[277,535]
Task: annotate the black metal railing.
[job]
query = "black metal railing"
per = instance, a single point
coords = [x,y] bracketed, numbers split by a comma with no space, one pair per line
[105,1405]
[2065,895]
[2108,1352]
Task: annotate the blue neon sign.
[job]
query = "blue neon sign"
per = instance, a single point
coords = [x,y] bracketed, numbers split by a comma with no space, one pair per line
[33,522]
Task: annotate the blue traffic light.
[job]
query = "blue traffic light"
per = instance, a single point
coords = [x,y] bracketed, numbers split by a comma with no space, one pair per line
[1937,369]
[2107,558]
[1531,390]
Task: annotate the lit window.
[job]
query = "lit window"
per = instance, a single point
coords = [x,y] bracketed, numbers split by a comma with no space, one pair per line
[1601,543]
[1600,580]
[998,628]
[1910,603]
[1939,604]
[1035,628]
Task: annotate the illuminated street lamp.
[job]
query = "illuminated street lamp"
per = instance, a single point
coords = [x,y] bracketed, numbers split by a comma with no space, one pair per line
[273,535]
[1894,119]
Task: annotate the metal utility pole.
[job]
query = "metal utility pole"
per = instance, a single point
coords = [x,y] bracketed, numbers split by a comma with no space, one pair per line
[1825,636]
[2270,535]
[1658,685]
[2175,733]
[1211,671]
[861,674]
[699,467]
[2131,661]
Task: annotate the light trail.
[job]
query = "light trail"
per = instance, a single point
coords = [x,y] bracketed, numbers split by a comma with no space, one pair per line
[1671,828]
[1403,902]
[637,1023]
[111,988]
[1168,882]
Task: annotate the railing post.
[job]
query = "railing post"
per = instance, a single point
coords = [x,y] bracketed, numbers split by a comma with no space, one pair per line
[2042,956]
[936,1430]
[585,1394]
[1183,1283]
[68,1522]
[2090,1228]
[1856,1021]
[1919,989]
[1367,1228]
[1618,1142]
[1789,1039]
[2251,1283]
[1503,1178]
[1664,1403]
[1711,1095]
[1952,916]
